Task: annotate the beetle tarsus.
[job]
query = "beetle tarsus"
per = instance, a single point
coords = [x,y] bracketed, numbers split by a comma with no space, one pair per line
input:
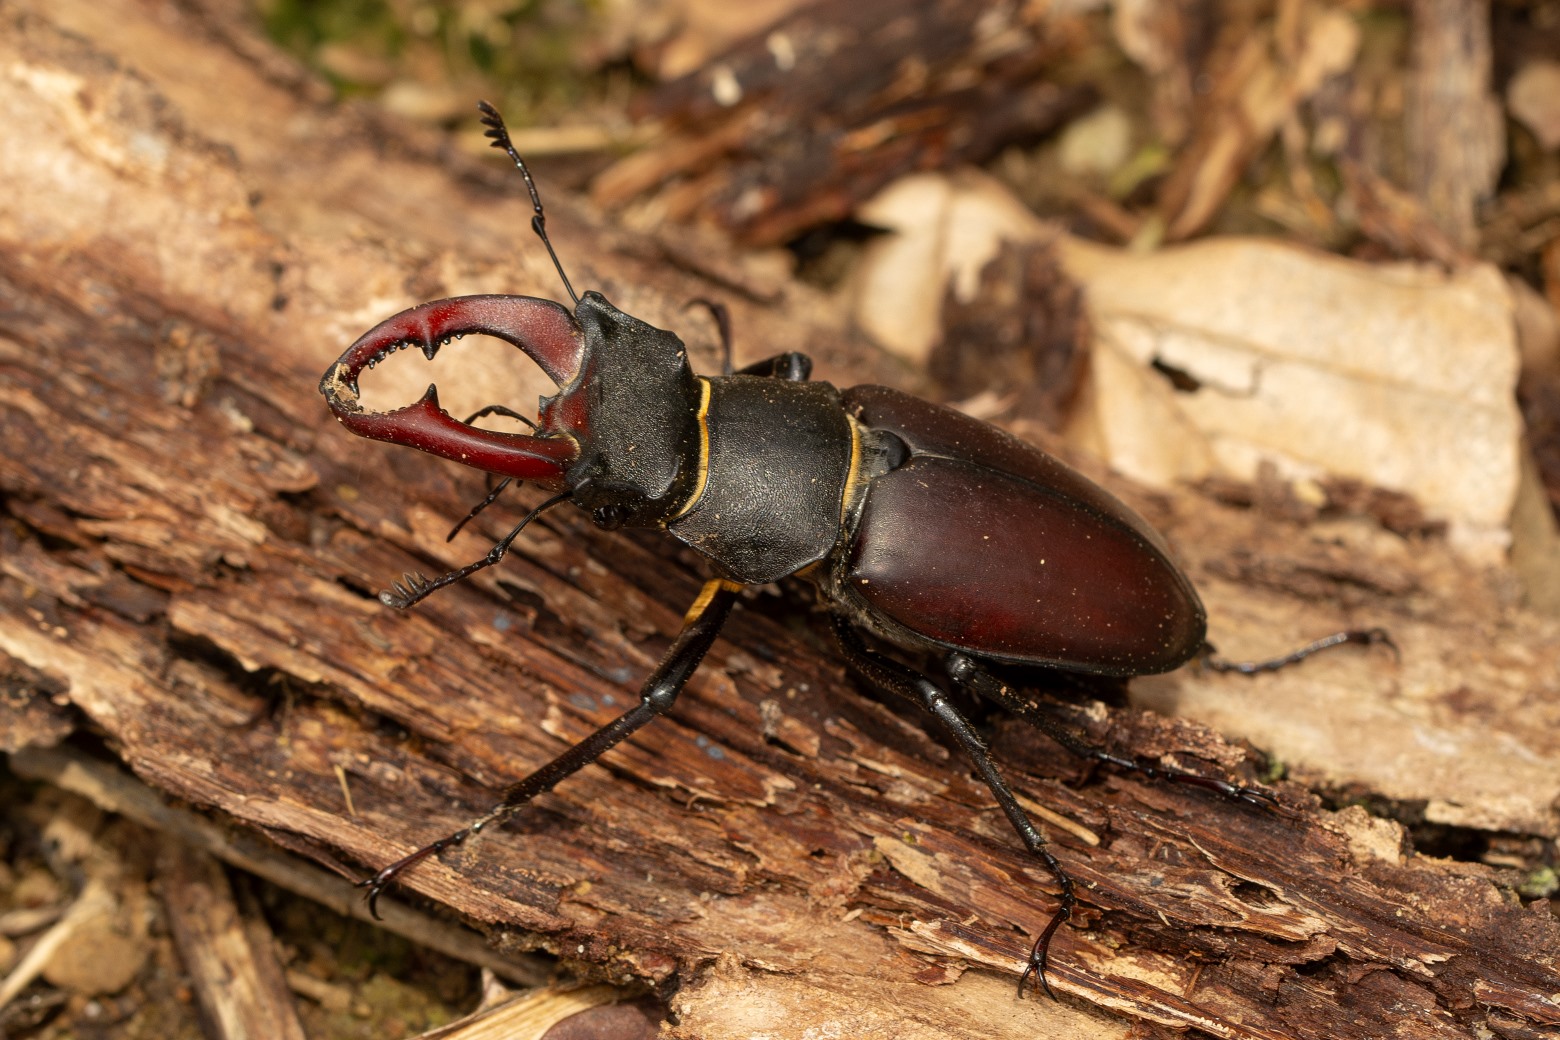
[1210,660]
[377,884]
[1040,953]
[1229,789]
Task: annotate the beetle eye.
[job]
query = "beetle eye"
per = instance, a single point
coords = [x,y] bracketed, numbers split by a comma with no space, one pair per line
[609,517]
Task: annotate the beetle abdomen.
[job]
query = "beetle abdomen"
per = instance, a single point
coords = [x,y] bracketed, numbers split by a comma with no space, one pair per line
[934,429]
[986,562]
[980,542]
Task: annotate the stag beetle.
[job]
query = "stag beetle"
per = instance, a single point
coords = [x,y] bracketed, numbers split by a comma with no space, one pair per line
[920,526]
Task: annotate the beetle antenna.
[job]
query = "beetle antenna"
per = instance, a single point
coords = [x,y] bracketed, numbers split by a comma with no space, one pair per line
[413,587]
[500,135]
[499,409]
[492,492]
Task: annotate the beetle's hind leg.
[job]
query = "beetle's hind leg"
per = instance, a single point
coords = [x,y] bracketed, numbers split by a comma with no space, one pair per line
[972,677]
[700,626]
[893,677]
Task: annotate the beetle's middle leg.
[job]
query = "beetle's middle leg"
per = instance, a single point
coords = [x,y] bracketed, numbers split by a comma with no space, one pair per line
[700,626]
[893,677]
[972,677]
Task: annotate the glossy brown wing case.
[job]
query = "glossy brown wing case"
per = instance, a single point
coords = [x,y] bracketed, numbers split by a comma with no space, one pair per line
[980,542]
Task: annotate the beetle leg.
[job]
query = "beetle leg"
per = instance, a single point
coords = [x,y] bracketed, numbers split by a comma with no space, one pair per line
[722,318]
[1363,636]
[893,677]
[964,671]
[700,626]
[790,366]
[494,490]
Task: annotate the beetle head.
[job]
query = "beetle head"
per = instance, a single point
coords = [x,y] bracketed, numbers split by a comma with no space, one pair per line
[634,411]
[621,434]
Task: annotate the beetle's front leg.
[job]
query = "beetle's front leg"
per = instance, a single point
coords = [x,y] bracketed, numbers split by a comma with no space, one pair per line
[967,673]
[700,626]
[893,677]
[790,366]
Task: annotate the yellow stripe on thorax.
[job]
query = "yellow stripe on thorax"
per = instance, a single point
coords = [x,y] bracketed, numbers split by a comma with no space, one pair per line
[703,478]
[855,483]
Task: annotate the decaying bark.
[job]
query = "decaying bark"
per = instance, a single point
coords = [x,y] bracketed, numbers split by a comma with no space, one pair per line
[191,551]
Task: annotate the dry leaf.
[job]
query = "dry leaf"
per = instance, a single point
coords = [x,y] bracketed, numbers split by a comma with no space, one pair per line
[1399,376]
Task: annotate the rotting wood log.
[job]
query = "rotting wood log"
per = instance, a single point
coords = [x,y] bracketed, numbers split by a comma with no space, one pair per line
[191,549]
[798,124]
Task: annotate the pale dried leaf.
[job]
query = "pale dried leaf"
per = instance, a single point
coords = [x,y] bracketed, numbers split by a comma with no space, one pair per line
[947,227]
[1398,376]
[1533,97]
